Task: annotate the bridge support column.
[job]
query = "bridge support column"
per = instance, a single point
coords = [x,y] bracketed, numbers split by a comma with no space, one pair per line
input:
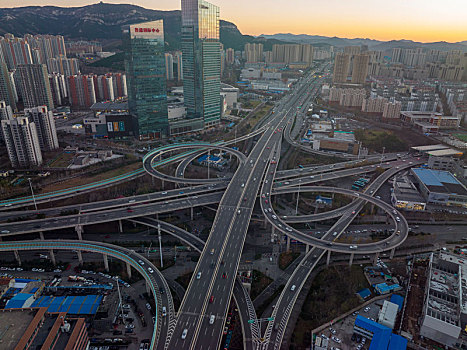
[120,226]
[328,259]
[191,213]
[351,259]
[41,235]
[128,270]
[265,223]
[17,257]
[52,257]
[162,184]
[80,257]
[307,248]
[391,255]
[106,262]
[288,243]
[79,231]
[375,261]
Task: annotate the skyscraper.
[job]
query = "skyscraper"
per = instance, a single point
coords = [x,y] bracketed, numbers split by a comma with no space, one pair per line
[341,67]
[22,142]
[82,92]
[35,85]
[44,121]
[201,60]
[360,68]
[169,66]
[145,70]
[7,92]
[254,52]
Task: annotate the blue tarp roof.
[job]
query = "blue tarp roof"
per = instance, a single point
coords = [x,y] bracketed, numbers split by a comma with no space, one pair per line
[17,301]
[77,305]
[398,300]
[397,342]
[384,287]
[435,177]
[383,338]
[364,293]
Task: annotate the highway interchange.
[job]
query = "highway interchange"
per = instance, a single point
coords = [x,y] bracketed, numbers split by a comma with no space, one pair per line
[199,322]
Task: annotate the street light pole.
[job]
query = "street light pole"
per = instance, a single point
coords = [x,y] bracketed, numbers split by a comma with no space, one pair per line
[33,197]
[382,156]
[160,243]
[298,196]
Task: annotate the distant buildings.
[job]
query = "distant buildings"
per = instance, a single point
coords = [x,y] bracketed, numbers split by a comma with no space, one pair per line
[347,97]
[146,78]
[44,122]
[82,92]
[7,90]
[341,67]
[292,53]
[201,62]
[35,85]
[254,52]
[360,68]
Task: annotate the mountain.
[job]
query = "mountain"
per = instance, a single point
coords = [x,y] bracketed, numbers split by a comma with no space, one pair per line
[372,44]
[104,21]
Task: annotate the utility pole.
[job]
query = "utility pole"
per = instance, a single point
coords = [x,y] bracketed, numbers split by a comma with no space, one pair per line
[160,243]
[208,160]
[119,297]
[33,197]
[382,156]
[298,196]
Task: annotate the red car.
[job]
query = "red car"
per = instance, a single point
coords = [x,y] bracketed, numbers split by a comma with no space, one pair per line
[211,300]
[224,275]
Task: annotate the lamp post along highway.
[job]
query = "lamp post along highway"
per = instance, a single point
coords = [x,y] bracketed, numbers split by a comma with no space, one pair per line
[160,243]
[32,192]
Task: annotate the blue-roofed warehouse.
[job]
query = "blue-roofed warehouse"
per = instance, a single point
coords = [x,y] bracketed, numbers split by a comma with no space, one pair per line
[398,300]
[440,187]
[76,305]
[381,336]
[20,300]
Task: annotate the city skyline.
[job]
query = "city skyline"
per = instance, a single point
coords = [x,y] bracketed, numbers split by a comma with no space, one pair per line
[395,20]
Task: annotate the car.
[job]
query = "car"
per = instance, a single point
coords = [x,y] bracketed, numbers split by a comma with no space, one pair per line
[126,306]
[353,212]
[5,231]
[212,319]
[337,340]
[148,306]
[165,192]
[324,337]
[353,247]
[274,217]
[335,234]
[198,276]
[129,210]
[288,229]
[226,329]
[292,288]
[131,201]
[184,333]
[238,211]
[150,270]
[243,185]
[332,330]
[141,262]
[161,290]
[211,299]
[212,251]
[224,275]
[181,192]
[366,309]
[164,311]
[131,326]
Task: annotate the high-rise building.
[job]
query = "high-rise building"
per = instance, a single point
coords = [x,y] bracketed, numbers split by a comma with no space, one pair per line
[169,66]
[7,91]
[201,60]
[230,56]
[341,67]
[145,70]
[22,142]
[104,87]
[292,53]
[360,68]
[254,52]
[58,86]
[5,111]
[82,92]
[64,66]
[44,121]
[352,50]
[178,66]
[119,83]
[35,85]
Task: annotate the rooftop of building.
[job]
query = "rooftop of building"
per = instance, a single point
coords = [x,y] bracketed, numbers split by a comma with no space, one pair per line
[445,153]
[429,148]
[439,181]
[13,324]
[462,262]
[109,106]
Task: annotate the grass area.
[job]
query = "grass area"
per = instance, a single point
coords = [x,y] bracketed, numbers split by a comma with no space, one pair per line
[376,140]
[462,137]
[89,179]
[114,62]
[260,282]
[62,161]
[286,258]
[251,104]
[332,293]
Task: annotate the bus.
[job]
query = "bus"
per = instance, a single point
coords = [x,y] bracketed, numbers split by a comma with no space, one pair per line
[356,188]
[359,183]
[363,180]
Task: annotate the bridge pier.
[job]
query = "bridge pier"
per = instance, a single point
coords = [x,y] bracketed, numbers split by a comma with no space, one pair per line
[41,235]
[328,259]
[351,259]
[391,255]
[191,213]
[162,185]
[288,243]
[120,226]
[52,257]
[265,223]
[80,257]
[106,262]
[79,231]
[307,248]
[128,270]
[375,261]
[17,257]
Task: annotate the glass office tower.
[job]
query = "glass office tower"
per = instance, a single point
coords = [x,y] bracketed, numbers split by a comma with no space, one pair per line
[201,60]
[145,68]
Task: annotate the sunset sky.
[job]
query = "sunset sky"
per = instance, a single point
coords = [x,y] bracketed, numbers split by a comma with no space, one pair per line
[418,20]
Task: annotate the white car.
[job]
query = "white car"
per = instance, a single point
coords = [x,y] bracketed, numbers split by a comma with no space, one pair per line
[150,270]
[274,217]
[184,333]
[198,276]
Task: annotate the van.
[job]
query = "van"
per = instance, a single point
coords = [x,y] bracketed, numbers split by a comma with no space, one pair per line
[212,319]
[293,288]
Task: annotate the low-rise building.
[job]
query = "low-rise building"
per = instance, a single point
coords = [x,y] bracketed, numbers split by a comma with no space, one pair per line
[406,196]
[388,314]
[429,122]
